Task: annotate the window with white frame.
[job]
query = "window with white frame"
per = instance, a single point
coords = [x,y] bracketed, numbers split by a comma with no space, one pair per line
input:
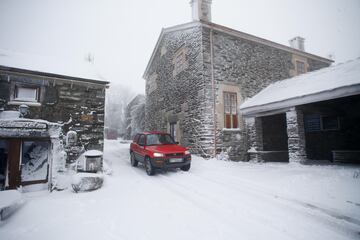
[26,93]
[230,110]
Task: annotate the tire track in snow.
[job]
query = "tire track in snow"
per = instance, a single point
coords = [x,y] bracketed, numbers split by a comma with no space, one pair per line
[342,223]
[258,189]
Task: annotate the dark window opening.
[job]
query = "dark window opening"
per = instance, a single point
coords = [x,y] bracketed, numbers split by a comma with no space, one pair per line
[316,123]
[173,130]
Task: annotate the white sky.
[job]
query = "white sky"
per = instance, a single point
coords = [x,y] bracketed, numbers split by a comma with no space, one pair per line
[122,33]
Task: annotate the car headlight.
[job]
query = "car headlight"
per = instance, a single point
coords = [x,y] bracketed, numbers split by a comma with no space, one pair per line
[159,155]
[187,152]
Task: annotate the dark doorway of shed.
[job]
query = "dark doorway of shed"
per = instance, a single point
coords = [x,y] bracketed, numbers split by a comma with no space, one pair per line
[332,129]
[4,151]
[275,140]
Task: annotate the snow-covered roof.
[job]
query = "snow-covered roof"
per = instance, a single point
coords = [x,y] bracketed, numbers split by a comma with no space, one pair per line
[49,66]
[329,83]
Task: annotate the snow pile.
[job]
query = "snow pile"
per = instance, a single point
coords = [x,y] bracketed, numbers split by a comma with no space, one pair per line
[93,153]
[87,181]
[9,114]
[10,201]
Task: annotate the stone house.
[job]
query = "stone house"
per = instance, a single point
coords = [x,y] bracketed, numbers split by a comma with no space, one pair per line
[201,72]
[313,116]
[133,110]
[50,111]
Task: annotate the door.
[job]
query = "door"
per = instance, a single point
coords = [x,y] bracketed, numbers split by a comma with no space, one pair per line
[4,152]
[34,162]
[13,174]
[140,148]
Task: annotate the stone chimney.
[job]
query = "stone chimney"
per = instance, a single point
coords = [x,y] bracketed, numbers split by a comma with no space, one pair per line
[297,43]
[201,10]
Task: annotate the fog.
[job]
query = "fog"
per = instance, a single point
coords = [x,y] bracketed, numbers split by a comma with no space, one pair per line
[122,34]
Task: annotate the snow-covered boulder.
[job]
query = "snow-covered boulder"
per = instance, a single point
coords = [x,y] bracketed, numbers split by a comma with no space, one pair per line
[10,201]
[87,181]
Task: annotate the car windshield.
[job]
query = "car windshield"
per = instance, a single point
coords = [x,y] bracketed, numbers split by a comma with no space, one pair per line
[159,139]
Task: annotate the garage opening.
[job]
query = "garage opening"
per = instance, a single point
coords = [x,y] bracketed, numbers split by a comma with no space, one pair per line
[332,130]
[275,140]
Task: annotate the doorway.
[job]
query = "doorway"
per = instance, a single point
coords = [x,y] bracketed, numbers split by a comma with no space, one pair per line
[23,162]
[4,151]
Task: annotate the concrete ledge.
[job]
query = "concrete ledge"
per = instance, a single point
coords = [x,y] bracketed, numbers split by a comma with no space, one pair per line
[270,156]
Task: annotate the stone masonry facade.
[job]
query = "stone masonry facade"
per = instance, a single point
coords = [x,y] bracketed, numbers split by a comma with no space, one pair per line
[217,60]
[77,105]
[185,97]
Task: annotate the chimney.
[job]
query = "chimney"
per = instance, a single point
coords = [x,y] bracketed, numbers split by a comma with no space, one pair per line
[298,43]
[201,10]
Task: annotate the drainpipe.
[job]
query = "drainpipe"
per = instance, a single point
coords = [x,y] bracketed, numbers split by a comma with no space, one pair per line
[213,86]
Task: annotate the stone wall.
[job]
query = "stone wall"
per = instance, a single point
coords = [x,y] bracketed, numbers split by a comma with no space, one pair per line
[78,105]
[180,94]
[184,90]
[249,67]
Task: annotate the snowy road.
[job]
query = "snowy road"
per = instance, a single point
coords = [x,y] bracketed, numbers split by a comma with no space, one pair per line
[215,200]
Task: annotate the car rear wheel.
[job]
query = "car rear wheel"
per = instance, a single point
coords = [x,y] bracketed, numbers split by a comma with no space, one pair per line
[148,167]
[186,167]
[134,162]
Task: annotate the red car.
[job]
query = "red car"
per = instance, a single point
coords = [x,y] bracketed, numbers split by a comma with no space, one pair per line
[158,150]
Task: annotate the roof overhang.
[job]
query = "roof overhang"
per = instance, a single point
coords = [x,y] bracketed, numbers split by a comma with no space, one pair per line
[283,106]
[10,70]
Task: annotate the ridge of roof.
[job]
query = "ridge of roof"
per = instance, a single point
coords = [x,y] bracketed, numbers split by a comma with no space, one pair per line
[48,66]
[232,32]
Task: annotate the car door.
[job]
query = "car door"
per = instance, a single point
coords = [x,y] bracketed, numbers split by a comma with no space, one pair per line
[140,148]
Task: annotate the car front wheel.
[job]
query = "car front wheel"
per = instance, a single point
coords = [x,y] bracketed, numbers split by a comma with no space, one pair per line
[134,162]
[148,167]
[186,167]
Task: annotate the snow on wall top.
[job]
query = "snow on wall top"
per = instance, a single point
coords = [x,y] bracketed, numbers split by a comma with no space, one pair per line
[325,84]
[63,67]
[93,153]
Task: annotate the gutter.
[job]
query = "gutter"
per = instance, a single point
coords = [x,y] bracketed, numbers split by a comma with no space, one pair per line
[213,86]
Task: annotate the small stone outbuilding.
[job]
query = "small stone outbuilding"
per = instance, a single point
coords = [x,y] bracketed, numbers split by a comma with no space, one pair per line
[59,105]
[313,116]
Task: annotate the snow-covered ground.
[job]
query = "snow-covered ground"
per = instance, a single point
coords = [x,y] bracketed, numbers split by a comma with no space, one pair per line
[215,200]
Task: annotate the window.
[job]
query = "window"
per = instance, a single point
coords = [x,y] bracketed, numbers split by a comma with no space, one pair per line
[34,161]
[142,140]
[179,61]
[330,123]
[136,138]
[152,85]
[26,94]
[173,130]
[316,123]
[159,139]
[230,110]
[300,67]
